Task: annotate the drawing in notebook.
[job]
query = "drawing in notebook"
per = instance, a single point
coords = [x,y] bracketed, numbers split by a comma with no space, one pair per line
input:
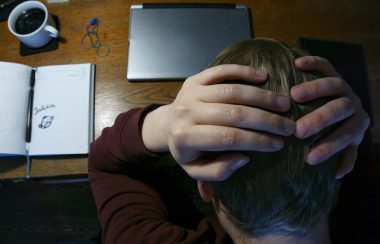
[46,122]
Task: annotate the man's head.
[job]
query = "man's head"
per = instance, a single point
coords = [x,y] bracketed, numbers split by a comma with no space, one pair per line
[276,193]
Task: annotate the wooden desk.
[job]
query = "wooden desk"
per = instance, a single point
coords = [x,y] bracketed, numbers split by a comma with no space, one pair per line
[350,21]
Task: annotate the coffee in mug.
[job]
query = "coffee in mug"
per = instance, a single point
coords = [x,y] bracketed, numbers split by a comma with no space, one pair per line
[31,23]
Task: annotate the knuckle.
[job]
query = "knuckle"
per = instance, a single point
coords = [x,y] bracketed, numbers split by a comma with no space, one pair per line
[231,91]
[261,141]
[339,83]
[230,138]
[236,68]
[179,136]
[270,98]
[331,111]
[248,70]
[275,124]
[318,122]
[181,110]
[309,87]
[235,114]
[218,69]
[190,81]
[275,121]
[346,104]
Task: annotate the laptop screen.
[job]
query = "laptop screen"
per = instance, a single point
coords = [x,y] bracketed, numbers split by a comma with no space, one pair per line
[173,42]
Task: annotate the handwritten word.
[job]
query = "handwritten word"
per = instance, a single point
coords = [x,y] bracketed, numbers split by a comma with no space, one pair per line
[42,108]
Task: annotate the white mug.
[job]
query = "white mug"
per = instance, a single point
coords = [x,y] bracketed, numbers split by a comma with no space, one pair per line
[39,37]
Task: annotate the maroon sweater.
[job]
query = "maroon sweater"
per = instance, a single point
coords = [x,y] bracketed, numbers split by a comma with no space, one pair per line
[137,203]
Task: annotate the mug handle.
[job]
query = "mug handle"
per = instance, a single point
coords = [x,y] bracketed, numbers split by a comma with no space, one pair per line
[52,31]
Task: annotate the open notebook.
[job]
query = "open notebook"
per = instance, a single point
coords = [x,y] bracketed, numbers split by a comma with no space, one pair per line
[62,111]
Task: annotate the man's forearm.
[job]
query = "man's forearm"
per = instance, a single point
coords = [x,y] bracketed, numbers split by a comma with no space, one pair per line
[121,146]
[154,130]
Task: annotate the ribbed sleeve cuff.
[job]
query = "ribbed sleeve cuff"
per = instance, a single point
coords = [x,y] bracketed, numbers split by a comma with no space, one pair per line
[131,141]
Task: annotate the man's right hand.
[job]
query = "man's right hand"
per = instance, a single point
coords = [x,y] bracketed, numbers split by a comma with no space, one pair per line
[209,116]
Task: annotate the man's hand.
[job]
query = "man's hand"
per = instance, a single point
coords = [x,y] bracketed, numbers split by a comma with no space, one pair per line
[346,106]
[209,116]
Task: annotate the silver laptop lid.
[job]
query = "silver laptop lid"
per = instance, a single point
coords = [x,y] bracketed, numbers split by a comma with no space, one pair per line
[173,42]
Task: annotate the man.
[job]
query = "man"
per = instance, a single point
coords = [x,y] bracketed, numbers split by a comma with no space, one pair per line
[135,204]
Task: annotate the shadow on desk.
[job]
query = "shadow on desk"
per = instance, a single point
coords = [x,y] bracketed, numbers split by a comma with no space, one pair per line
[48,211]
[10,163]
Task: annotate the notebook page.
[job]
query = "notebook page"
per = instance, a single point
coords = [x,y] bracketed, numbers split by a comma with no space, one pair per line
[61,110]
[14,90]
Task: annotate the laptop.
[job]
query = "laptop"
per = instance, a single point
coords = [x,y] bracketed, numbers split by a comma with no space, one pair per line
[175,41]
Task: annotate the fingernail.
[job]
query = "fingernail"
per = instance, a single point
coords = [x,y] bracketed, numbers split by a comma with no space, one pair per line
[239,164]
[302,130]
[283,102]
[313,158]
[299,93]
[277,144]
[261,73]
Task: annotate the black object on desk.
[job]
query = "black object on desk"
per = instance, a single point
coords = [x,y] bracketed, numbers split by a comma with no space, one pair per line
[26,51]
[349,60]
[6,7]
[52,45]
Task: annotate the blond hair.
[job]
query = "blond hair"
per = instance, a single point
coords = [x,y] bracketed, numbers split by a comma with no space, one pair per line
[277,193]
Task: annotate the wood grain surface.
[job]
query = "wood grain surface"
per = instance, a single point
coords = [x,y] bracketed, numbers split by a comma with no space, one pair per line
[352,21]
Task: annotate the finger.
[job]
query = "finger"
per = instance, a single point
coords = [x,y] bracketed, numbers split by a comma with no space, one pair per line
[326,115]
[323,87]
[347,162]
[244,95]
[222,138]
[217,169]
[322,65]
[223,72]
[346,134]
[243,117]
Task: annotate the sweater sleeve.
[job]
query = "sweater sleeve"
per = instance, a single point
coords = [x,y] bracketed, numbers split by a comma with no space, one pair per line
[131,207]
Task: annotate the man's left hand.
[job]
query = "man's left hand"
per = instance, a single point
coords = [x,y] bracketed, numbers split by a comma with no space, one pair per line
[346,106]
